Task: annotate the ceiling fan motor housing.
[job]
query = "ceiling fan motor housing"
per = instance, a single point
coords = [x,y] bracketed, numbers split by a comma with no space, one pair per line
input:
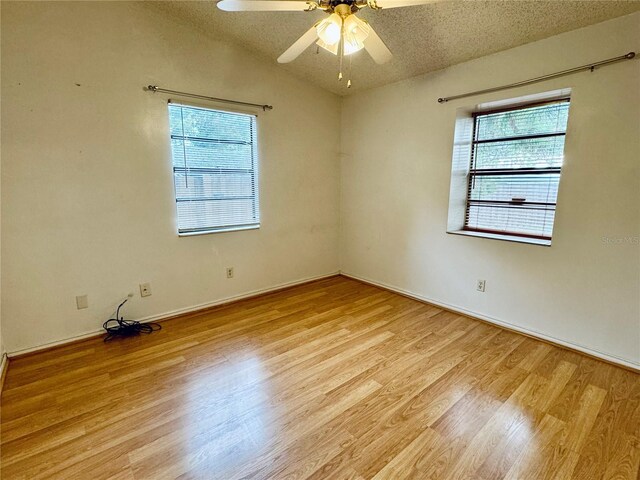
[343,9]
[350,6]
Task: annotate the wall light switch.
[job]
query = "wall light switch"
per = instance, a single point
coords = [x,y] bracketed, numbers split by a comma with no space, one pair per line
[82,301]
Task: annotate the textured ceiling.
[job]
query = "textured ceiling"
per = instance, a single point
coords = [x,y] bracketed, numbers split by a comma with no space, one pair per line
[422,38]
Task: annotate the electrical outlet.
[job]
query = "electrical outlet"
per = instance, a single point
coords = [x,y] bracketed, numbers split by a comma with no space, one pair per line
[145,289]
[480,286]
[229,272]
[82,301]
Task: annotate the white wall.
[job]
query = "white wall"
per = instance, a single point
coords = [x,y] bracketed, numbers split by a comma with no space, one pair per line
[87,188]
[396,166]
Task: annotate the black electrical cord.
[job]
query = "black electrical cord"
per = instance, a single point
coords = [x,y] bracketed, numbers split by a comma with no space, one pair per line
[119,327]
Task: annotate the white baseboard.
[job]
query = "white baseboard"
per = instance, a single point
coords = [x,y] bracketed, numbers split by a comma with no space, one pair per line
[533,333]
[173,313]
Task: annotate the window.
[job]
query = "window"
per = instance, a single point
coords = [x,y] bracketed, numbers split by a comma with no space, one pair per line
[215,169]
[514,172]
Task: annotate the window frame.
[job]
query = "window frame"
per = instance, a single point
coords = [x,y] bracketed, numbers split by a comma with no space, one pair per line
[255,156]
[473,173]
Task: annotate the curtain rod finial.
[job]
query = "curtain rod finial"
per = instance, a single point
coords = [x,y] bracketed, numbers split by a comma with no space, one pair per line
[630,55]
[152,88]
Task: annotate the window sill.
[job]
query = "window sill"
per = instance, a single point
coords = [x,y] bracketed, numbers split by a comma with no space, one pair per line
[508,238]
[219,230]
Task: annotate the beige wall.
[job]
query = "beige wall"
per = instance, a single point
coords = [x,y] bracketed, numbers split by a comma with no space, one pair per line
[87,192]
[396,166]
[2,347]
[87,188]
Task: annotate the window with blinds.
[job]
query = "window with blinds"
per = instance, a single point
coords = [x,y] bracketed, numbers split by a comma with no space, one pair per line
[516,161]
[215,169]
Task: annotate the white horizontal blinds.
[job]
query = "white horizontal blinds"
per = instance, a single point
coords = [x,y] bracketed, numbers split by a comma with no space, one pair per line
[515,170]
[215,168]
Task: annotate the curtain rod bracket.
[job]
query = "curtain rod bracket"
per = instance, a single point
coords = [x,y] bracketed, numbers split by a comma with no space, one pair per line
[590,66]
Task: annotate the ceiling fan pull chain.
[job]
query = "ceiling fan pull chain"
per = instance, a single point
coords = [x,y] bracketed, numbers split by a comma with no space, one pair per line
[341,48]
[349,72]
[340,53]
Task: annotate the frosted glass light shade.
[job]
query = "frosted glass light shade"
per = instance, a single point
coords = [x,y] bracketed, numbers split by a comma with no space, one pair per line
[330,29]
[355,33]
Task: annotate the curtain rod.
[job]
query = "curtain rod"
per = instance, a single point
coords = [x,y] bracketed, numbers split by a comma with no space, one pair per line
[155,88]
[589,66]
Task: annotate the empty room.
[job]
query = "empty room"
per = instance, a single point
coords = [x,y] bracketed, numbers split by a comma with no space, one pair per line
[323,239]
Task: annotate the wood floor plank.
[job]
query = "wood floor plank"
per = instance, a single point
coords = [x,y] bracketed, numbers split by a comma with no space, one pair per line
[333,379]
[531,464]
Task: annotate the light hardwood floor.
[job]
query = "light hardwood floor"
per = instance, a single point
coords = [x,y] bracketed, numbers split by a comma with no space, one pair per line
[330,380]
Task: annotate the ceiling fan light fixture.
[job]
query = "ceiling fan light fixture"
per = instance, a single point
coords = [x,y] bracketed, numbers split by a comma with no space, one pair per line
[356,27]
[355,33]
[330,30]
[351,47]
[329,48]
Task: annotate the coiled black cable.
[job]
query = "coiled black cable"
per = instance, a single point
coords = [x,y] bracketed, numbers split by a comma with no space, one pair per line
[119,327]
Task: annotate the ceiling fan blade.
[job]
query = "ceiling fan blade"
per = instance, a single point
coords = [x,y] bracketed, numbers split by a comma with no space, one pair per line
[266,6]
[374,45]
[299,46]
[384,4]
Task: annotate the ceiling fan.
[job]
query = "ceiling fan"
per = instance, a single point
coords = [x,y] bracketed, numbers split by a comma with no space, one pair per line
[341,33]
